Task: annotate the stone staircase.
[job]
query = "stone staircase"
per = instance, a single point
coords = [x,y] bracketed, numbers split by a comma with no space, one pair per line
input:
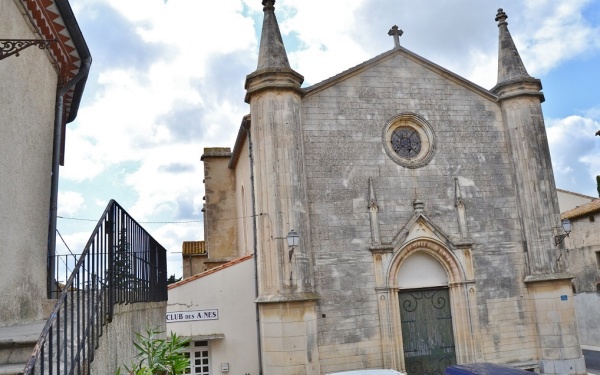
[16,345]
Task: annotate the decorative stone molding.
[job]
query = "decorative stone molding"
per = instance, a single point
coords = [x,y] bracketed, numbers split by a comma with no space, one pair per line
[548,277]
[290,297]
[408,139]
[462,291]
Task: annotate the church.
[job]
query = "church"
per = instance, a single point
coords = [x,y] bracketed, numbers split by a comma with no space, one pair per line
[399,216]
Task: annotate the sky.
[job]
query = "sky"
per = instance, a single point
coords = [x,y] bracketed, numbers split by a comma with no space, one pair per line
[167,80]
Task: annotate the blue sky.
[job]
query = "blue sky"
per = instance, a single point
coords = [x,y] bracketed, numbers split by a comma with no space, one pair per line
[167,80]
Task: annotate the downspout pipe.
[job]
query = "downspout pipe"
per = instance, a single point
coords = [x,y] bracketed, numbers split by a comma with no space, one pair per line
[79,79]
[255,248]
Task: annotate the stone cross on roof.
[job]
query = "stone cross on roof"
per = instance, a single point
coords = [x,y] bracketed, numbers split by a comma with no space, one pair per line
[397,34]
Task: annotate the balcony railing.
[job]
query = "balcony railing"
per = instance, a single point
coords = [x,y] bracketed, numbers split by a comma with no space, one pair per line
[121,263]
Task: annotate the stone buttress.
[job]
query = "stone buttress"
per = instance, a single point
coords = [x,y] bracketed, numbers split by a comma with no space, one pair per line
[548,283]
[286,289]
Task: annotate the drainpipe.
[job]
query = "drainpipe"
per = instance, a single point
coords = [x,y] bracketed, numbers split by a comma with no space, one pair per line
[58,121]
[81,76]
[255,249]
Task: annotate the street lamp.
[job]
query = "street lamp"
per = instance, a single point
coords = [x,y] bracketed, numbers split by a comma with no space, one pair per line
[566,225]
[293,239]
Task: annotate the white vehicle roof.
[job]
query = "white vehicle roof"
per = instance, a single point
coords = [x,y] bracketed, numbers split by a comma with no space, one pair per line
[368,372]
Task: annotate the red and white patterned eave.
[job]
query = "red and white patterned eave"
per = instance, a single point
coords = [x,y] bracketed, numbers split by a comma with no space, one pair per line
[50,25]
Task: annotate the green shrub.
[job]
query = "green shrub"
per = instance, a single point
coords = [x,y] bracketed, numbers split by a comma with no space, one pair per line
[158,356]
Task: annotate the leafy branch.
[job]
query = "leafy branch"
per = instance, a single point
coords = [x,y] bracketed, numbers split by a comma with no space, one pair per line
[158,356]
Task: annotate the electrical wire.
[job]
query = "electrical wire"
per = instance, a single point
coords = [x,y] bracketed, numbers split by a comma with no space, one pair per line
[165,222]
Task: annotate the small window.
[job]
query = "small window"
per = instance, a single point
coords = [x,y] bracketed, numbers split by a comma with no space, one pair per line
[592,218]
[598,259]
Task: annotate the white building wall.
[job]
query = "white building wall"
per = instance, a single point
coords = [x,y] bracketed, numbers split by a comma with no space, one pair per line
[27,100]
[567,200]
[229,290]
[244,201]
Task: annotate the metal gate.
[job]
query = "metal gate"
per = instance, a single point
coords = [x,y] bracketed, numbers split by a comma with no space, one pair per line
[427,336]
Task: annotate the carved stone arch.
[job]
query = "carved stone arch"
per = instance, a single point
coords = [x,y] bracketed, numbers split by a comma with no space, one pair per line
[463,303]
[436,250]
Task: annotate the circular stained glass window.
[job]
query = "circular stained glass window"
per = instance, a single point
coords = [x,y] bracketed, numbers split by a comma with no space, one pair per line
[408,140]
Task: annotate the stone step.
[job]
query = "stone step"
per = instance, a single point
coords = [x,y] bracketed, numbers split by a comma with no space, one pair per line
[12,369]
[17,342]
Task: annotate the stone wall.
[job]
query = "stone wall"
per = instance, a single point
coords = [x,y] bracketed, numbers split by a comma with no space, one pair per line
[582,250]
[220,226]
[116,343]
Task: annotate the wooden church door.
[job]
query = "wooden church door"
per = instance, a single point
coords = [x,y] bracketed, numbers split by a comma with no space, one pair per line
[428,339]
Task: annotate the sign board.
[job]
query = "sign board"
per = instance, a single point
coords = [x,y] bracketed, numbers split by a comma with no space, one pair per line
[563,297]
[187,316]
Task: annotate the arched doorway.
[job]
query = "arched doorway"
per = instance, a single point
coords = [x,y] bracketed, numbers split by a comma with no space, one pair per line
[425,315]
[428,267]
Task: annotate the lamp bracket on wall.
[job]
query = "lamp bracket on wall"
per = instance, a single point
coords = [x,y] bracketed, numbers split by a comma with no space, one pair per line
[9,47]
[566,226]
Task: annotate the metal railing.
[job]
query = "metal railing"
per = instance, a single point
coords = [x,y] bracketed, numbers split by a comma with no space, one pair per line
[121,263]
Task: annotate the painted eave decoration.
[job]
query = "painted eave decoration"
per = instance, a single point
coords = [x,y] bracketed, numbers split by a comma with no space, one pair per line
[51,25]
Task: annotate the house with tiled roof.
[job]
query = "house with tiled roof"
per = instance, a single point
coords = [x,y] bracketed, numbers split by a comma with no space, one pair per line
[568,200]
[582,253]
[216,310]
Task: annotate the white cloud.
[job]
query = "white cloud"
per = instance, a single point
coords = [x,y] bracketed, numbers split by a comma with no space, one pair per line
[158,190]
[69,203]
[560,34]
[593,113]
[574,151]
[171,236]
[73,244]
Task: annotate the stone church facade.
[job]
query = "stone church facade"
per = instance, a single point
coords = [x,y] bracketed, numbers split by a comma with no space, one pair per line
[425,207]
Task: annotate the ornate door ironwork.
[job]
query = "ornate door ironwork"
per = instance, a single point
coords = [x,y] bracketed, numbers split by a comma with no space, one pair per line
[426,322]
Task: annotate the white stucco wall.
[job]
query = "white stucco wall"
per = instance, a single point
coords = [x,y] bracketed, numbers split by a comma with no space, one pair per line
[27,100]
[568,200]
[587,312]
[230,291]
[244,201]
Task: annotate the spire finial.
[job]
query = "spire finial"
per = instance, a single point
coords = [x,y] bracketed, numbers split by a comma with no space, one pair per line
[268,5]
[419,205]
[501,17]
[397,33]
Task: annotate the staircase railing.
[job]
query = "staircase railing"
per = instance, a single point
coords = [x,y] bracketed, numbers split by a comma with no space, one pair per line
[121,263]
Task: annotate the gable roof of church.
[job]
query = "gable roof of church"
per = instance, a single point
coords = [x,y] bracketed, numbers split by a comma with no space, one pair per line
[410,55]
